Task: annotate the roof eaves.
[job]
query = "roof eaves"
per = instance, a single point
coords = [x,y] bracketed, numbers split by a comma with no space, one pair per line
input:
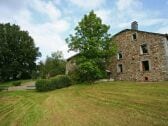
[139,31]
[72,57]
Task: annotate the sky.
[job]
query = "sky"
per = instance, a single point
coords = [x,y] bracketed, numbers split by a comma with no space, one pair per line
[50,22]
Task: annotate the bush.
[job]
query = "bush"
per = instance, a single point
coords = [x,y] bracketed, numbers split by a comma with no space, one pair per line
[57,82]
[17,83]
[89,71]
[42,85]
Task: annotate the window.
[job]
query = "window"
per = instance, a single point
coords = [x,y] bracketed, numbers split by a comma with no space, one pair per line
[134,36]
[119,68]
[145,65]
[144,49]
[119,55]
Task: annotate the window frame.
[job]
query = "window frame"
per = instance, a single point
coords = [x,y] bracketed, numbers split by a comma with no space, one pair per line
[132,36]
[142,68]
[118,55]
[141,49]
[120,69]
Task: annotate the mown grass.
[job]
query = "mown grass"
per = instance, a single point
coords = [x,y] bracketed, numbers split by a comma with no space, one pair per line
[100,104]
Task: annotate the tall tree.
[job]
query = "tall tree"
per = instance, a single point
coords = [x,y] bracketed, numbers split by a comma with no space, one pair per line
[17,53]
[54,65]
[94,44]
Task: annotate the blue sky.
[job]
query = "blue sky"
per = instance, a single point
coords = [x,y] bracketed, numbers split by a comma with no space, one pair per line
[49,22]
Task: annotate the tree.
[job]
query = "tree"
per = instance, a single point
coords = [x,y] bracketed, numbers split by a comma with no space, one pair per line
[17,53]
[53,65]
[94,44]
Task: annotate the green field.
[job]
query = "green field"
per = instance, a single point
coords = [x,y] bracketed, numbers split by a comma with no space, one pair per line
[100,104]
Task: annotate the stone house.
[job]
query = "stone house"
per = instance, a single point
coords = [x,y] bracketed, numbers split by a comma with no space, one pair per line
[141,55]
[70,64]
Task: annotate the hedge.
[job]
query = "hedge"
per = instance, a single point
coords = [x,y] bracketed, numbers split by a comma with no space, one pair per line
[17,83]
[57,82]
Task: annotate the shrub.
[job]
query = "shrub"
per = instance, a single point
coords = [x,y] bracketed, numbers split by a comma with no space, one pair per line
[17,83]
[57,82]
[60,81]
[89,71]
[42,85]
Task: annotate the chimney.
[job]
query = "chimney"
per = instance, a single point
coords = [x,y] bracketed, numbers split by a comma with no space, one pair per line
[134,25]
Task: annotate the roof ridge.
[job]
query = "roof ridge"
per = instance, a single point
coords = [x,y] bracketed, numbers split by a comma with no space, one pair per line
[139,31]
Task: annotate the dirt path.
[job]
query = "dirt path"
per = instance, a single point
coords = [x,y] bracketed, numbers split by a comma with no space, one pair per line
[25,86]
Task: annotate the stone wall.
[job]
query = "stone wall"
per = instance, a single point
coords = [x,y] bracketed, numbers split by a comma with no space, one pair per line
[70,65]
[165,58]
[132,57]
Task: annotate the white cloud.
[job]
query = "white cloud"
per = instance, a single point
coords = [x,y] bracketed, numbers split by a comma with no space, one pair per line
[48,36]
[47,8]
[88,4]
[130,10]
[126,11]
[57,2]
[13,4]
[128,4]
[121,15]
[105,15]
[123,4]
[154,21]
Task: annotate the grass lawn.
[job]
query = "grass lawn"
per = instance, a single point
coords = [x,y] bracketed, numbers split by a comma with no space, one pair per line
[100,104]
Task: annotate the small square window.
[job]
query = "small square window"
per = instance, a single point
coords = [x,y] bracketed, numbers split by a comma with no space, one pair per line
[145,65]
[134,36]
[119,55]
[119,68]
[144,49]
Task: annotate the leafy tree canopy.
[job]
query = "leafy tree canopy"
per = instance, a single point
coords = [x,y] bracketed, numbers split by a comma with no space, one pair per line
[53,65]
[17,53]
[94,44]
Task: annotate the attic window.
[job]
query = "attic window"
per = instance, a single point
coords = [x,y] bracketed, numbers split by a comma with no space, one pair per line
[134,36]
[119,68]
[145,65]
[144,49]
[119,55]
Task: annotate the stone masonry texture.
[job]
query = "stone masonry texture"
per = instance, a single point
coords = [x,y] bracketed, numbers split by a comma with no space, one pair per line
[132,58]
